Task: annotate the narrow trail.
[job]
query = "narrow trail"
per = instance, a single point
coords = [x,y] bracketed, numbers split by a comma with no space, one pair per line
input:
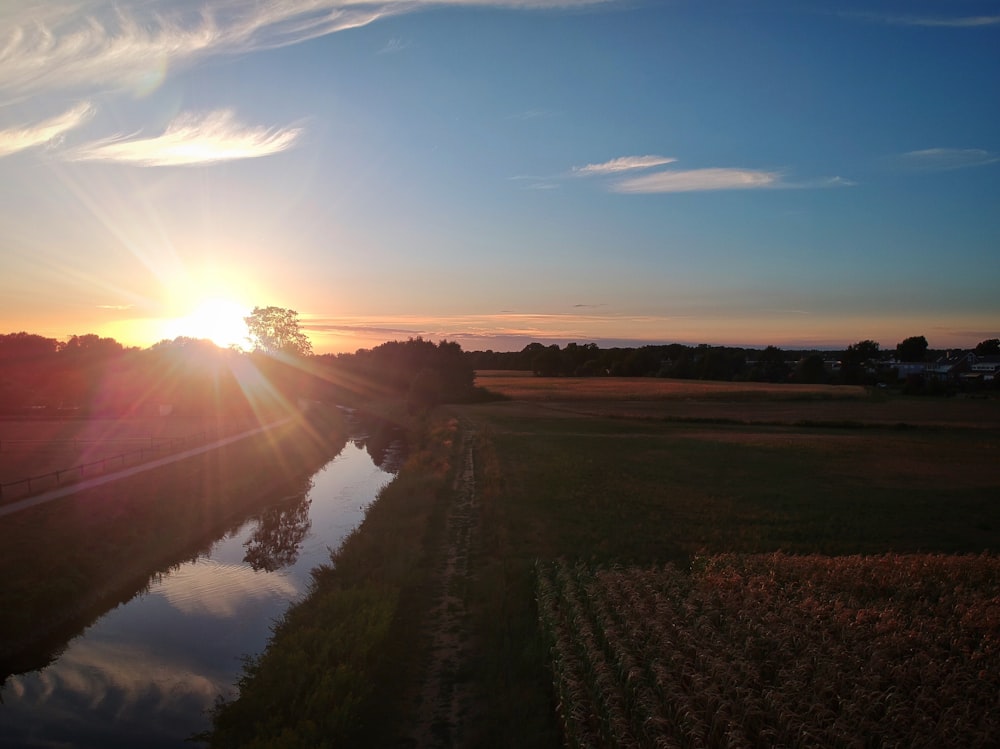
[444,698]
[107,478]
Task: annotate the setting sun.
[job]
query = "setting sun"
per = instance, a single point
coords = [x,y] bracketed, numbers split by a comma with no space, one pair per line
[218,320]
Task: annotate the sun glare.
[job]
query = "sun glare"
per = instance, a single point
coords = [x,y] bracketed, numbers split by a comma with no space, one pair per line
[218,320]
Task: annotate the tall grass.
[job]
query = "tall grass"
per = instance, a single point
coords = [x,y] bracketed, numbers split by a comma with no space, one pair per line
[333,671]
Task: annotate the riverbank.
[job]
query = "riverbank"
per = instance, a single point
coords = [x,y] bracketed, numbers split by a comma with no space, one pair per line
[340,664]
[443,647]
[77,556]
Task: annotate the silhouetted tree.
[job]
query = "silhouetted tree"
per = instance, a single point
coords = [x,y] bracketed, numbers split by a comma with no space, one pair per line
[414,369]
[989,347]
[770,366]
[810,370]
[425,389]
[275,330]
[913,349]
[856,361]
[27,366]
[547,362]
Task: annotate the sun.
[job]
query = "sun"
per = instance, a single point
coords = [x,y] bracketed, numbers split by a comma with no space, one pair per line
[217,319]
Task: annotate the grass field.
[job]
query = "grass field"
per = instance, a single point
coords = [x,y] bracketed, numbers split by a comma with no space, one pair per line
[642,476]
[743,508]
[33,447]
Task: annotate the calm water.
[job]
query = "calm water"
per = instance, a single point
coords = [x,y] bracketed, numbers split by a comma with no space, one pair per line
[144,674]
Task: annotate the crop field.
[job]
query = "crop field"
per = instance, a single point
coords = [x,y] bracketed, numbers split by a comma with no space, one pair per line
[738,402]
[525,386]
[776,650]
[788,563]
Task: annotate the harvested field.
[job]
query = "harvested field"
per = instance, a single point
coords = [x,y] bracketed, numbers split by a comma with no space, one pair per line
[741,402]
[523,386]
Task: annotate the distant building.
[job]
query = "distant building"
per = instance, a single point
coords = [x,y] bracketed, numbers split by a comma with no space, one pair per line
[988,367]
[951,366]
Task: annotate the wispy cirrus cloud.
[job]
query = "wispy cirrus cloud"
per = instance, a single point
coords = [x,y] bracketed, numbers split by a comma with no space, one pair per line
[395,44]
[618,176]
[953,22]
[533,114]
[45,132]
[116,307]
[946,159]
[622,164]
[190,140]
[66,44]
[698,180]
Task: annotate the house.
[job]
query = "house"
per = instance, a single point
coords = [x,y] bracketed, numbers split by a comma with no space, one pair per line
[950,367]
[988,367]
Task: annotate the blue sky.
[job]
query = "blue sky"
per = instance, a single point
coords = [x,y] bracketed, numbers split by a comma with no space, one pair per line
[788,173]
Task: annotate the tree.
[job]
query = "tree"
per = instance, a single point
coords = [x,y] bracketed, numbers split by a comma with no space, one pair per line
[811,370]
[275,330]
[857,361]
[861,352]
[913,349]
[989,347]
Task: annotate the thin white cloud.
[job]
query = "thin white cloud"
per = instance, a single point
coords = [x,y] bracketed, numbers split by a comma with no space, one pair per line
[622,164]
[393,45]
[45,132]
[946,159]
[698,180]
[111,45]
[957,22]
[532,114]
[210,588]
[192,139]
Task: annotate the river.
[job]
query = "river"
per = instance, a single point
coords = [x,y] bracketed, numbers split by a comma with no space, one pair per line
[146,672]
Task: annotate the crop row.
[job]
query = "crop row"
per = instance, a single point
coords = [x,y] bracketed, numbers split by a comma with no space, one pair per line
[777,650]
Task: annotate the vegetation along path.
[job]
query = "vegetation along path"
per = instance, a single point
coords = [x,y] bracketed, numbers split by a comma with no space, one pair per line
[443,697]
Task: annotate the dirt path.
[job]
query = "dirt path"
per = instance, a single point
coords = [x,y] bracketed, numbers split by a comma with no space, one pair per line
[443,698]
[63,491]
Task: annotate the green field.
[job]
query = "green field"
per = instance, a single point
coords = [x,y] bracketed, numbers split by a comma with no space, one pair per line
[654,479]
[31,448]
[632,478]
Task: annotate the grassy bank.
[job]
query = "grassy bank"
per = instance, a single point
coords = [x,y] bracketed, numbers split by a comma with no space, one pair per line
[602,482]
[70,559]
[337,668]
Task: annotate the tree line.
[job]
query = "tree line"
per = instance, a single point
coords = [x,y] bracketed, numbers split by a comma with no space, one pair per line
[864,362]
[92,375]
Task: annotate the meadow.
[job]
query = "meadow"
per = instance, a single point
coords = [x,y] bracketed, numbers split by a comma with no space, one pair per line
[34,447]
[626,480]
[749,511]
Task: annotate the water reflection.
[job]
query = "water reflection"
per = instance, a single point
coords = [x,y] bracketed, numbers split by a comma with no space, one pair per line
[209,588]
[280,532]
[146,672]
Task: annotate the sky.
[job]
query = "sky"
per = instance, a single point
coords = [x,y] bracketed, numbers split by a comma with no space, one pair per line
[623,172]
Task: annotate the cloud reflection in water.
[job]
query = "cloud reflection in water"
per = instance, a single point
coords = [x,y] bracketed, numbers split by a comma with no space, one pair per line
[210,588]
